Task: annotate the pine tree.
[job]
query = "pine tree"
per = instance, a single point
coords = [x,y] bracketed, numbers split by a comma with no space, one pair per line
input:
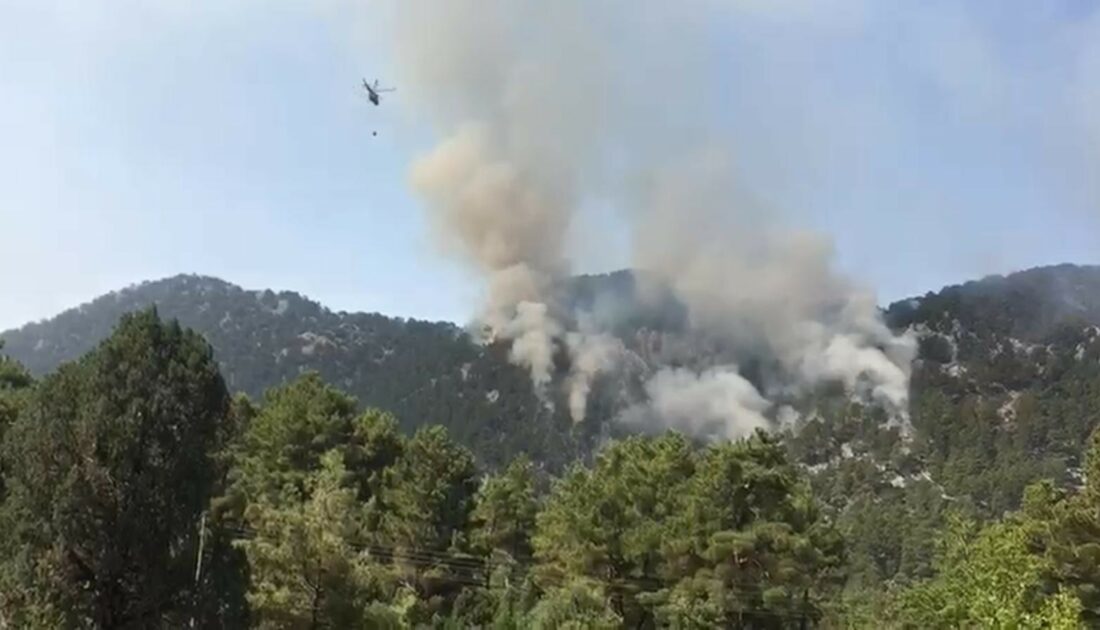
[110,466]
[423,514]
[307,569]
[504,515]
[988,578]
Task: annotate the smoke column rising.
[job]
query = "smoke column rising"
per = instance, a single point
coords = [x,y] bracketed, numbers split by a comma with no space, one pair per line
[543,106]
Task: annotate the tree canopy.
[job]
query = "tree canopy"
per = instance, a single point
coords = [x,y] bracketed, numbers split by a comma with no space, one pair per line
[136,492]
[108,467]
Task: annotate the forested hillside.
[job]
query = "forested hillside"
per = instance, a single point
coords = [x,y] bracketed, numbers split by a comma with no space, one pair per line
[1004,347]
[423,372]
[137,492]
[1005,392]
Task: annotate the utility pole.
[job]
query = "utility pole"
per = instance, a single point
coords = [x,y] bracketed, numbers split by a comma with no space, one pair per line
[198,564]
[202,541]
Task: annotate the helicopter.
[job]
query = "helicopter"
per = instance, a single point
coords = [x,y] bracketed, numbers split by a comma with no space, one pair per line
[374,91]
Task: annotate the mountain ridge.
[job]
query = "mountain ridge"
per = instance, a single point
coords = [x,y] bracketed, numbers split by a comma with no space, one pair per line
[1005,390]
[421,371]
[976,338]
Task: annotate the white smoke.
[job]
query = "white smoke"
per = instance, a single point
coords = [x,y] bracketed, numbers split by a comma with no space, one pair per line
[715,403]
[539,111]
[592,353]
[532,332]
[764,288]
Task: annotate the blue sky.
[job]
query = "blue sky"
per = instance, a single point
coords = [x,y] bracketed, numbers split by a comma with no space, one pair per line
[934,143]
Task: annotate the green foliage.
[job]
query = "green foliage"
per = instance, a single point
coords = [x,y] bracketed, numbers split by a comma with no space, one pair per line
[305,570]
[422,514]
[315,479]
[1070,534]
[608,523]
[988,579]
[428,493]
[15,384]
[422,372]
[579,605]
[688,539]
[324,514]
[13,376]
[503,603]
[300,422]
[749,545]
[1004,393]
[504,514]
[109,466]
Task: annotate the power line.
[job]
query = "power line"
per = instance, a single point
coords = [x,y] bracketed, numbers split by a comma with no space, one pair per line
[480,571]
[430,557]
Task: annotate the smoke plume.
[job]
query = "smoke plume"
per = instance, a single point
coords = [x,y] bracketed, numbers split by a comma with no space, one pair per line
[717,402]
[541,108]
[592,353]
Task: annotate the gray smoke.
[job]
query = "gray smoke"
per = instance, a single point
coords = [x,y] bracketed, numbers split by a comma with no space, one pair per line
[592,353]
[717,403]
[503,184]
[545,106]
[765,288]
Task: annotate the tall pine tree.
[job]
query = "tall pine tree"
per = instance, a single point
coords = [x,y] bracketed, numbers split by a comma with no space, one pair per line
[111,466]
